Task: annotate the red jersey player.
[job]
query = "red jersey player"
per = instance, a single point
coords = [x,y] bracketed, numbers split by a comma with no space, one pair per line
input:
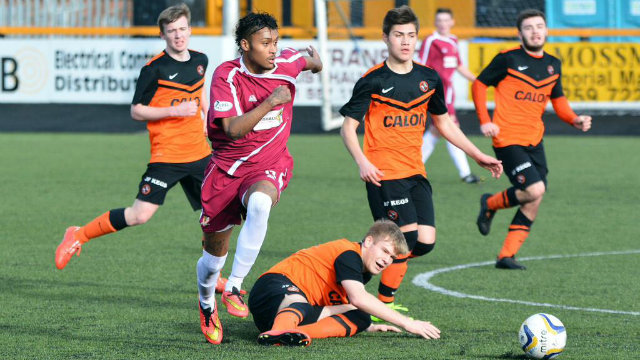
[248,124]
[440,52]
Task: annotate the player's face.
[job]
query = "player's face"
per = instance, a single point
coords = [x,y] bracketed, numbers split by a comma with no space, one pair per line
[401,42]
[444,23]
[378,255]
[176,35]
[533,33]
[260,50]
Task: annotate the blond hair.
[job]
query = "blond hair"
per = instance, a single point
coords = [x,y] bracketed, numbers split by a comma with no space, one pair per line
[385,230]
[173,13]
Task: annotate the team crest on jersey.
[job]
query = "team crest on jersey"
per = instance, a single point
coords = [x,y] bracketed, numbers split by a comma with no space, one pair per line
[424,87]
[200,70]
[550,70]
[392,215]
[145,189]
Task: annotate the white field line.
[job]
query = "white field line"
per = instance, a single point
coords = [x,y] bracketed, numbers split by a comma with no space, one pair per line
[423,279]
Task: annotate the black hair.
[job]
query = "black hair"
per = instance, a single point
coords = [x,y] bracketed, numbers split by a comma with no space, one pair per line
[252,23]
[444,11]
[399,16]
[529,13]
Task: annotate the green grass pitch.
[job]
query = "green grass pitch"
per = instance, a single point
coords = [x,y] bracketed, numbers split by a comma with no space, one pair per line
[132,295]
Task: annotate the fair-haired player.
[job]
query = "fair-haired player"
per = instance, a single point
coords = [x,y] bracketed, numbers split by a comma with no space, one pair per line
[320,292]
[248,124]
[393,99]
[169,99]
[440,52]
[525,78]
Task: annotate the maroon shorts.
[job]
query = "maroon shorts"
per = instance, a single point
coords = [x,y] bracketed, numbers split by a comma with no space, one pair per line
[222,193]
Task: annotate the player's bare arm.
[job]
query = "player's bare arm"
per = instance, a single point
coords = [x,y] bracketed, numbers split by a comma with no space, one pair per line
[239,126]
[360,298]
[368,171]
[314,63]
[454,135]
[466,73]
[141,112]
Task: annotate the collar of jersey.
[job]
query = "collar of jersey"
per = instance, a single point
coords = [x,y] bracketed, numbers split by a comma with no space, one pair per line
[244,69]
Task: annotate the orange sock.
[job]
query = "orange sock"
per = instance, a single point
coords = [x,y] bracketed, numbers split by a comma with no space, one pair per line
[515,238]
[391,278]
[287,318]
[97,227]
[332,326]
[498,201]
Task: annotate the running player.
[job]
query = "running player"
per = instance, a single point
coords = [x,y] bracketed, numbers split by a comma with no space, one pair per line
[169,99]
[319,292]
[394,98]
[248,125]
[440,52]
[525,78]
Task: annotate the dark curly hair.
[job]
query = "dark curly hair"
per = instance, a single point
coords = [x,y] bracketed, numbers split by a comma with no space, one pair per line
[252,23]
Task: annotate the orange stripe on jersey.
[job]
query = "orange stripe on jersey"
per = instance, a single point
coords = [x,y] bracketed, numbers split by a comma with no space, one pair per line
[511,49]
[532,81]
[373,69]
[403,105]
[186,88]
[155,58]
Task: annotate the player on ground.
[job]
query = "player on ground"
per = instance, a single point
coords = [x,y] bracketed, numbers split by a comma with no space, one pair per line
[525,78]
[319,292]
[169,99]
[248,125]
[440,52]
[394,98]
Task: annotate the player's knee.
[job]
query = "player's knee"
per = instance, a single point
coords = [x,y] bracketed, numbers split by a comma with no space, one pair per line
[412,238]
[422,249]
[140,216]
[535,191]
[359,319]
[259,205]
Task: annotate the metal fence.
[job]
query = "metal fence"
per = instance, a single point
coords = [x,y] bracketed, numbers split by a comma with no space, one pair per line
[66,13]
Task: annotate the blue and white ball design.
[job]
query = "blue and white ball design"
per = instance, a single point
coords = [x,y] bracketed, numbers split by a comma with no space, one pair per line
[542,336]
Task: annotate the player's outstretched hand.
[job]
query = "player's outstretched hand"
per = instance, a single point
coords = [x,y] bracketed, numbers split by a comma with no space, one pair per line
[383,328]
[315,57]
[490,129]
[281,95]
[187,108]
[490,163]
[423,328]
[582,122]
[370,173]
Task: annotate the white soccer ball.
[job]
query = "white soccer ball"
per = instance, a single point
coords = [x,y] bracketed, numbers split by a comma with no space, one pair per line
[542,336]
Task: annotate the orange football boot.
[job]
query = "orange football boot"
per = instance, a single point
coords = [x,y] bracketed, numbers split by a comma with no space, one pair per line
[235,303]
[68,247]
[210,324]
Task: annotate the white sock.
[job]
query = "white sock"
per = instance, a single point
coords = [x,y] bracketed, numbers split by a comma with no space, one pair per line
[208,270]
[250,238]
[428,144]
[459,159]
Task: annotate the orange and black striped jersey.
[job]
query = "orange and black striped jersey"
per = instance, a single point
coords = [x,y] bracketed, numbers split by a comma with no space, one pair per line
[318,271]
[394,107]
[165,82]
[523,86]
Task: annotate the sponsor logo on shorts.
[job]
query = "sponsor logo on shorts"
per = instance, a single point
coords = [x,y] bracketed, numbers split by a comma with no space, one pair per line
[145,189]
[392,215]
[204,220]
[222,105]
[154,181]
[396,202]
[521,179]
[521,167]
[291,288]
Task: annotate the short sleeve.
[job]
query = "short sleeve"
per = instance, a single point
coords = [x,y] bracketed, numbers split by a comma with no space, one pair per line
[495,71]
[349,266]
[437,105]
[146,86]
[360,100]
[291,62]
[224,103]
[557,90]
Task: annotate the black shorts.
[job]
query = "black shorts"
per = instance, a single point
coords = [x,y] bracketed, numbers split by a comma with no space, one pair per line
[160,177]
[404,201]
[267,295]
[524,165]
